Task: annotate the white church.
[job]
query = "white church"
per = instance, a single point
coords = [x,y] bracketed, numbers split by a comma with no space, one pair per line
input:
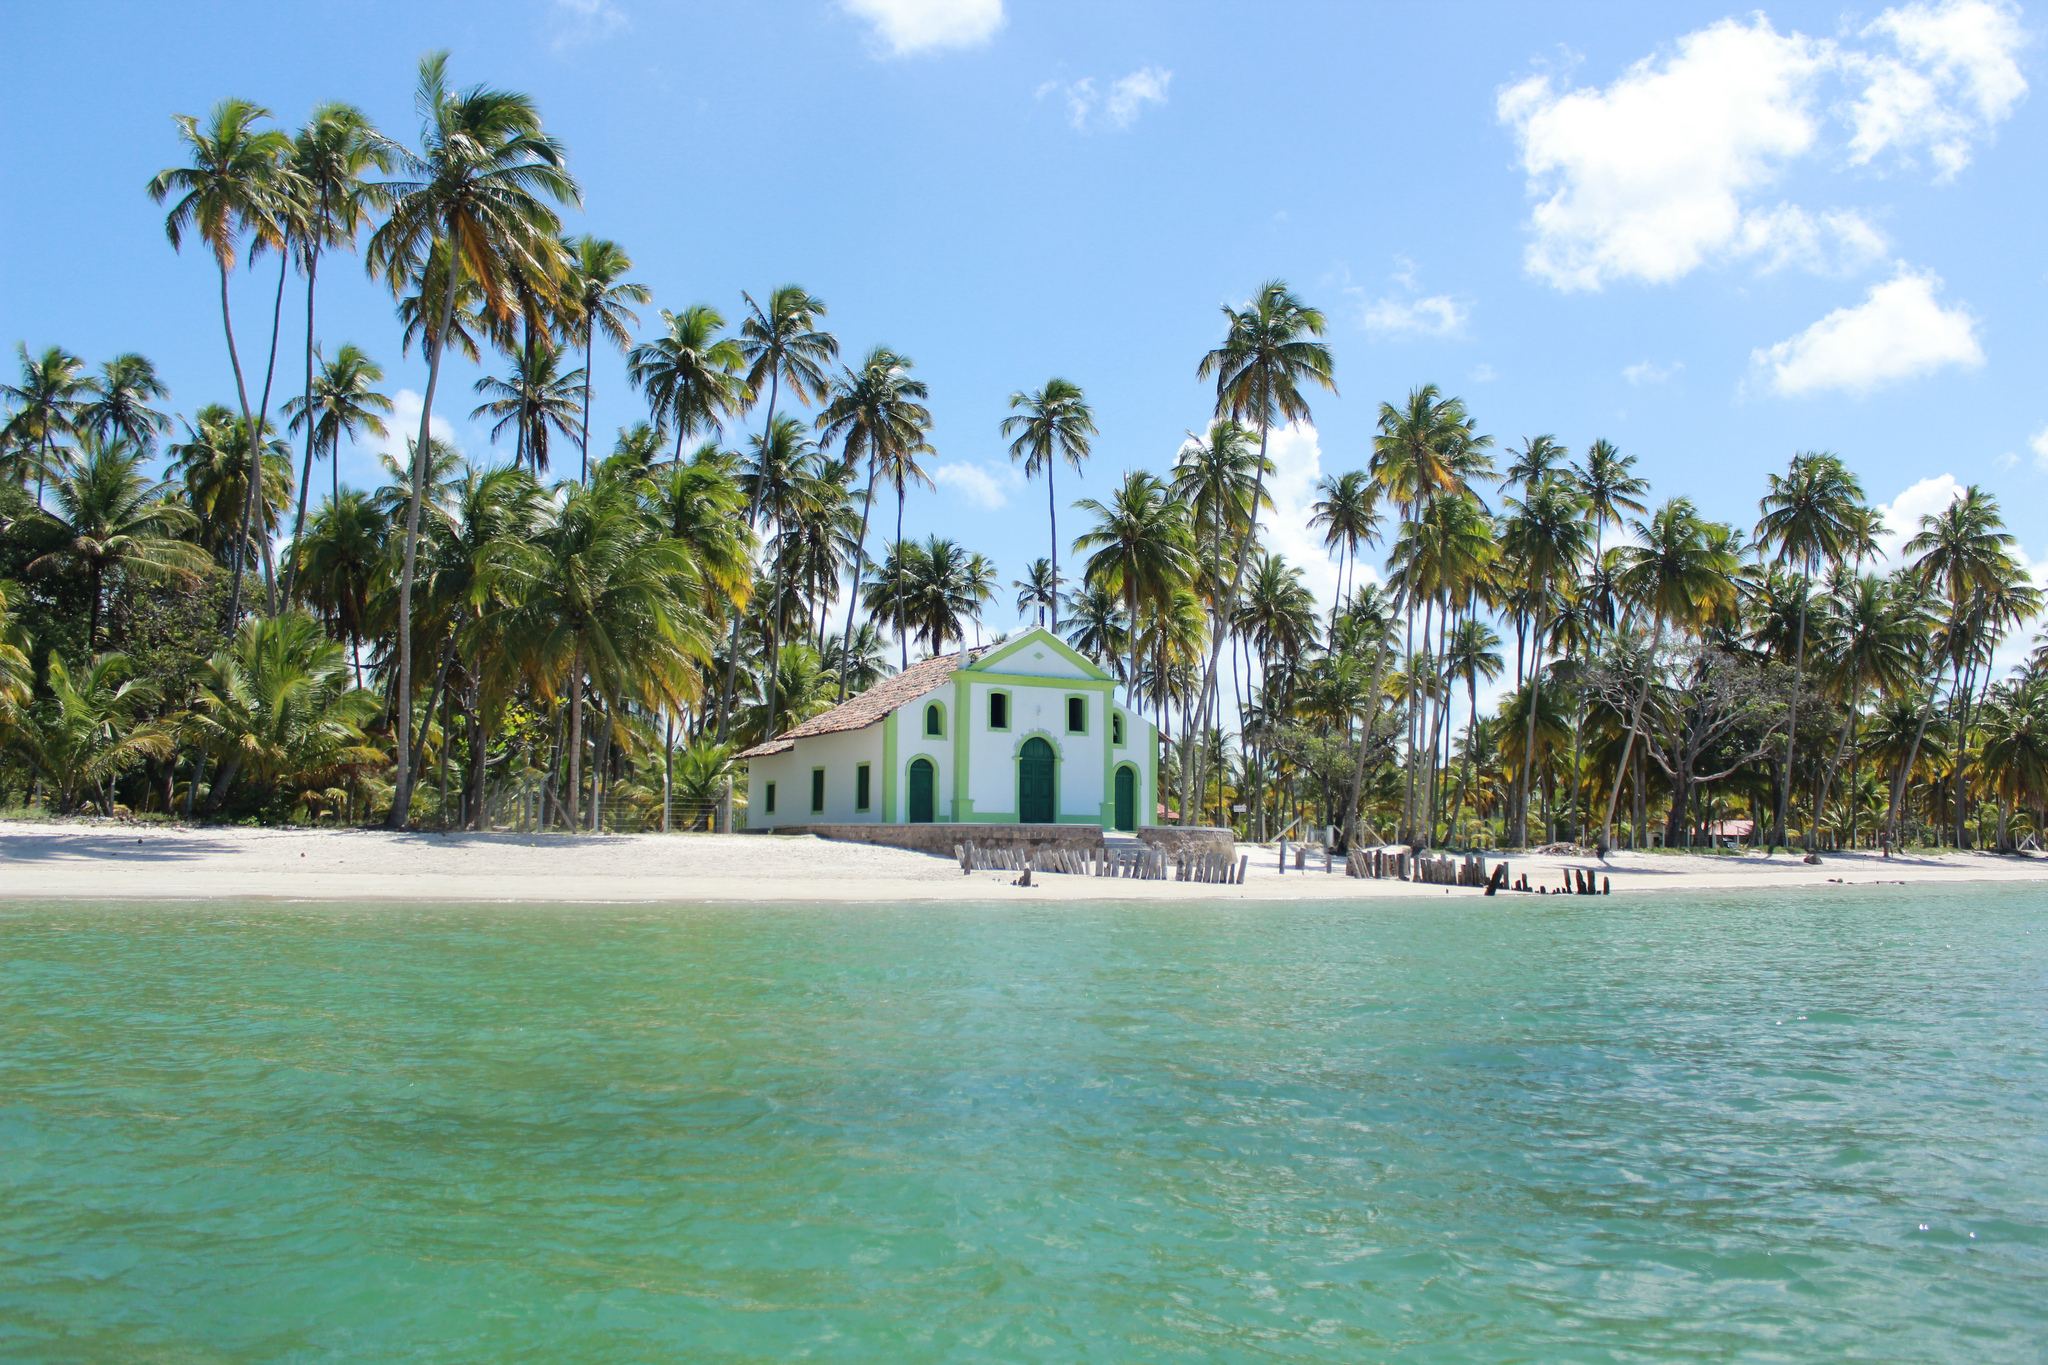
[1025,732]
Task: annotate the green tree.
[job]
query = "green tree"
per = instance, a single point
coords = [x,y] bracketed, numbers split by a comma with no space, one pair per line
[1546,539]
[1811,515]
[239,184]
[107,518]
[534,398]
[118,406]
[877,412]
[478,194]
[343,400]
[1271,349]
[690,374]
[53,388]
[1048,425]
[332,160]
[89,729]
[1680,574]
[602,294]
[1140,548]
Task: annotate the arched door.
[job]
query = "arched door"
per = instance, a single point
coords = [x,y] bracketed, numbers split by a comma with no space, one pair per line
[1035,804]
[1126,799]
[922,784]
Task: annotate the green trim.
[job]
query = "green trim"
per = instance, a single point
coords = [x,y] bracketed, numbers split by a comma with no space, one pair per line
[1073,697]
[1039,635]
[1149,815]
[1108,820]
[924,728]
[771,796]
[994,728]
[933,764]
[863,776]
[889,811]
[963,806]
[1119,727]
[1039,680]
[818,792]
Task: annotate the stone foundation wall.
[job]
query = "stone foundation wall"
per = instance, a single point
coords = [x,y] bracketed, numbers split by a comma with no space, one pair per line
[1190,839]
[940,839]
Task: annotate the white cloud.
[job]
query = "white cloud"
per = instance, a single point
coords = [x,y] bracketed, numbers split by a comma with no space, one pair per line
[1482,373]
[1899,331]
[1678,163]
[1297,456]
[1650,372]
[1902,514]
[1088,108]
[1407,311]
[401,428]
[585,21]
[1650,178]
[1952,74]
[2039,445]
[985,487]
[906,28]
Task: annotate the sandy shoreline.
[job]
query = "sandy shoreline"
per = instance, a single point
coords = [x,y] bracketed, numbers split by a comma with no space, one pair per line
[87,861]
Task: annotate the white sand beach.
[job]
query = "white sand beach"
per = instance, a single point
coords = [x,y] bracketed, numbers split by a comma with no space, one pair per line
[119,861]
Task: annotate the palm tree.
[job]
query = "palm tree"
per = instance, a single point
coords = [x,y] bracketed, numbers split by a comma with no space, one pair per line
[1539,457]
[596,593]
[534,398]
[1270,349]
[900,466]
[1472,652]
[342,401]
[1052,424]
[107,517]
[1422,452]
[597,268]
[332,159]
[90,728]
[1811,513]
[690,374]
[876,411]
[780,342]
[1608,479]
[119,407]
[477,193]
[1142,549]
[214,464]
[239,183]
[1035,589]
[16,676]
[1546,539]
[276,707]
[1098,626]
[1348,513]
[53,387]
[1681,573]
[338,563]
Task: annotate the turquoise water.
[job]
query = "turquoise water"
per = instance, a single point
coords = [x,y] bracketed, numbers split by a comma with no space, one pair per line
[1794,1128]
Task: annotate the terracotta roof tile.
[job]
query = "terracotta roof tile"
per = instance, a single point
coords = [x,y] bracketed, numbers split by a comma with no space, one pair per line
[857,713]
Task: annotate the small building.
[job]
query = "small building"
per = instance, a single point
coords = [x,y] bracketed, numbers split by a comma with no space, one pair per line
[1025,732]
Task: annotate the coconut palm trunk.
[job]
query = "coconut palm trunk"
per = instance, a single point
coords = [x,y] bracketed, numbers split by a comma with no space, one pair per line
[1779,835]
[860,554]
[1052,519]
[312,429]
[401,795]
[575,745]
[732,661]
[1222,615]
[1628,745]
[248,421]
[1529,737]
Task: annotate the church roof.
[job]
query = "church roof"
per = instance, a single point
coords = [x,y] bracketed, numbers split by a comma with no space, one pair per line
[857,713]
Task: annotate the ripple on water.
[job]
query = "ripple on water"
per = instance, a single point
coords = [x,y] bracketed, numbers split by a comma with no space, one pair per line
[1459,1131]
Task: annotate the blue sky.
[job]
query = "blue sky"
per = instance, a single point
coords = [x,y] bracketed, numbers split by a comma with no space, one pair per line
[1714,236]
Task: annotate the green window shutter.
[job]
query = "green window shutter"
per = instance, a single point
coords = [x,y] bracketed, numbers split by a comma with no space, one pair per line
[860,787]
[817,790]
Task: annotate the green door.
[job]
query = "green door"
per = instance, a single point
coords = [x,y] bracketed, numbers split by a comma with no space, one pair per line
[1034,783]
[921,800]
[1126,799]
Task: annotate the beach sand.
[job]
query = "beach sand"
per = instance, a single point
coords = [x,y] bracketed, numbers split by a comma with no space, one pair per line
[119,861]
